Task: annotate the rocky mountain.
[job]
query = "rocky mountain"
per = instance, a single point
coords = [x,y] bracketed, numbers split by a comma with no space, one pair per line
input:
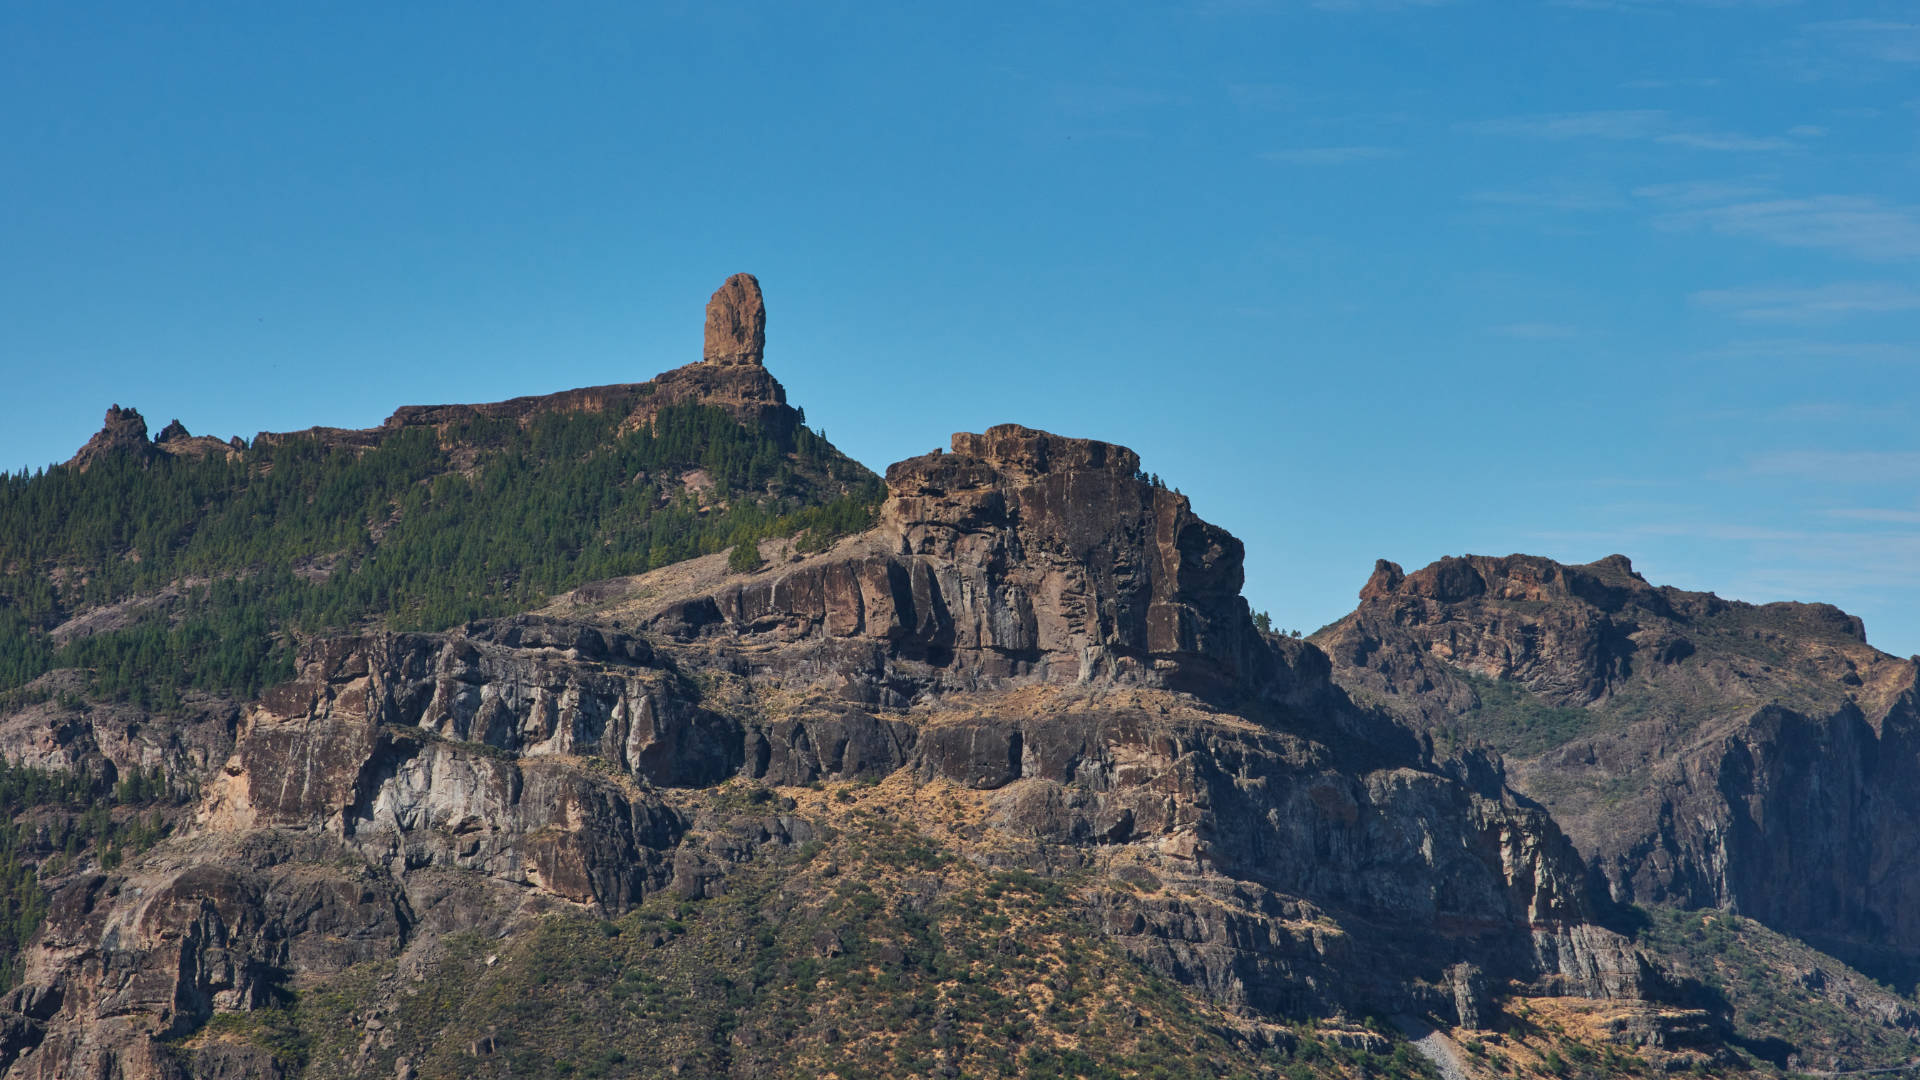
[983,771]
[1700,752]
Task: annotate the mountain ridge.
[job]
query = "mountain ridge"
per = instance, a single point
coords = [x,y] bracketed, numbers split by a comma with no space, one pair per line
[985,769]
[1701,751]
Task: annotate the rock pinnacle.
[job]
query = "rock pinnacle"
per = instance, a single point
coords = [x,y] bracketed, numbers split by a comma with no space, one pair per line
[737,323]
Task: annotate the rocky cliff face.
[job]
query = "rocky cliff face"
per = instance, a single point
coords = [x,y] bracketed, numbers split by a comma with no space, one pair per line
[1020,555]
[1699,751]
[1034,630]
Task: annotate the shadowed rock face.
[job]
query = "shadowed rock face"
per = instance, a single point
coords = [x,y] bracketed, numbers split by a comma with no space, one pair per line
[736,323]
[1700,751]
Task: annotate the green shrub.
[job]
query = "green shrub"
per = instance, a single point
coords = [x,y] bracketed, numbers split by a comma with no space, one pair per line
[744,558]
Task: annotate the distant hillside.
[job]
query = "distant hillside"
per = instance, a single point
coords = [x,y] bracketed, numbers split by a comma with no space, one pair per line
[1700,751]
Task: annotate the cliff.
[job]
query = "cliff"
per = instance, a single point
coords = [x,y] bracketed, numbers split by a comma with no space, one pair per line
[471,746]
[1034,637]
[1699,751]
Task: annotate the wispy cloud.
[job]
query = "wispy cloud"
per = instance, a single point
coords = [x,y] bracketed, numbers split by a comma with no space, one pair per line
[1876,514]
[1377,5]
[1263,7]
[1822,352]
[1094,99]
[1858,225]
[1330,155]
[1622,125]
[1562,198]
[1270,97]
[1535,331]
[1600,124]
[1667,5]
[1886,40]
[1821,303]
[1809,413]
[1696,192]
[1667,84]
[1840,466]
[1724,140]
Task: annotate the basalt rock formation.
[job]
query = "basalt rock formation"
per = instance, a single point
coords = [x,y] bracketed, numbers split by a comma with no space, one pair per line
[736,323]
[1699,751]
[1033,627]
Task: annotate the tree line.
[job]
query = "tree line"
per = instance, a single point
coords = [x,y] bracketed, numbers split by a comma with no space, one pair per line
[427,529]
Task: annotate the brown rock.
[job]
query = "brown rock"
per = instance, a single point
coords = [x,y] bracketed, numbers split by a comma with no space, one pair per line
[1699,751]
[124,432]
[737,323]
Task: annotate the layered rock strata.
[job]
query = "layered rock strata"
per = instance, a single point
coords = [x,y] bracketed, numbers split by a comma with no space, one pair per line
[1032,620]
[1700,751]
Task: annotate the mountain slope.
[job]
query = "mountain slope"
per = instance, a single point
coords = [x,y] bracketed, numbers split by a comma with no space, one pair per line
[1700,752]
[162,577]
[1039,656]
[996,776]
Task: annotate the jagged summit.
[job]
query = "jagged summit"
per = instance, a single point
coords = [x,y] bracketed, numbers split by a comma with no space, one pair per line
[123,431]
[1511,577]
[1019,555]
[730,375]
[1606,585]
[1699,750]
[736,322]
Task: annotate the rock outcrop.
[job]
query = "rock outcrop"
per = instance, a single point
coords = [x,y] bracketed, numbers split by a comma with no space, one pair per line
[731,377]
[736,323]
[1700,751]
[1020,555]
[123,433]
[175,439]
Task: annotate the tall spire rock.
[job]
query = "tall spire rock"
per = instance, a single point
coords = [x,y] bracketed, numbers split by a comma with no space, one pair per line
[737,323]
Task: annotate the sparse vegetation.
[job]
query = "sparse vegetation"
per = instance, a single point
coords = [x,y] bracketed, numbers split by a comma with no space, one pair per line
[1783,999]
[1517,723]
[870,952]
[51,821]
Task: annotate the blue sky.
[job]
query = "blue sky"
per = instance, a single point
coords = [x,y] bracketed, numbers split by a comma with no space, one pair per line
[1365,279]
